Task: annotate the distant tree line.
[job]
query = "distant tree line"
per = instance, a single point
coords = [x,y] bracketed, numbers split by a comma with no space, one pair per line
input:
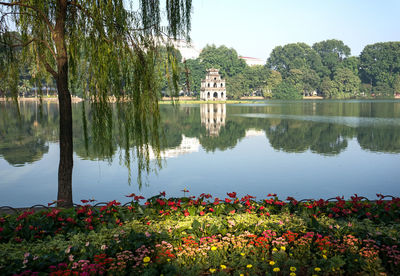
[294,70]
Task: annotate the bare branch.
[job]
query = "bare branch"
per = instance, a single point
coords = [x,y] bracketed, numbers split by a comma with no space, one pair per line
[38,11]
[50,69]
[18,45]
[26,43]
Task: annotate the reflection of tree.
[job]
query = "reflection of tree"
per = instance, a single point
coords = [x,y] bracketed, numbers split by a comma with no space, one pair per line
[24,137]
[299,136]
[228,137]
[25,130]
[382,139]
[328,139]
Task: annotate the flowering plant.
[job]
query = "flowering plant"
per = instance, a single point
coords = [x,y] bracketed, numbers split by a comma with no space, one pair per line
[206,235]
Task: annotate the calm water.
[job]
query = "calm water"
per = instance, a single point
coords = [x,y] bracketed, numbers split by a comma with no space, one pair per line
[302,149]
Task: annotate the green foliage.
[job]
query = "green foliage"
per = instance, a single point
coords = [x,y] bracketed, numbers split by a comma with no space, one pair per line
[286,91]
[396,84]
[345,83]
[380,62]
[222,58]
[197,72]
[294,56]
[332,53]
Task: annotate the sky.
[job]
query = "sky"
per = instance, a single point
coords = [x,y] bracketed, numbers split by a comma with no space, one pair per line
[254,27]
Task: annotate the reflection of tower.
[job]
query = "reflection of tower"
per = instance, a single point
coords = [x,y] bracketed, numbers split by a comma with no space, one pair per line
[213,117]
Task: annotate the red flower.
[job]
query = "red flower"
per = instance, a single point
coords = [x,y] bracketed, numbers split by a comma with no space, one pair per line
[201,214]
[232,195]
[131,195]
[71,220]
[211,209]
[227,200]
[271,195]
[161,202]
[162,193]
[137,198]
[186,213]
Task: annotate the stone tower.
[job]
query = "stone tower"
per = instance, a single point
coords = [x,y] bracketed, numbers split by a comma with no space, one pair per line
[213,87]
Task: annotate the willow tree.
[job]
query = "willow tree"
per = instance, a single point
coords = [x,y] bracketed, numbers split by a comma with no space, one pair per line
[114,46]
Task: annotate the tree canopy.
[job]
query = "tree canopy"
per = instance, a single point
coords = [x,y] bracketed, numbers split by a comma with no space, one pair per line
[380,64]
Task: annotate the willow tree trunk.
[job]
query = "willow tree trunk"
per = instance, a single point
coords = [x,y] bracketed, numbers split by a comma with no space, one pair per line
[64,98]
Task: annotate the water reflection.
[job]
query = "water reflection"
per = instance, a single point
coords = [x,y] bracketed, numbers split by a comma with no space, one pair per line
[288,148]
[25,131]
[213,117]
[323,128]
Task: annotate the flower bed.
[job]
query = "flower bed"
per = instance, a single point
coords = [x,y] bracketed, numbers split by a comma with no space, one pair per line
[205,235]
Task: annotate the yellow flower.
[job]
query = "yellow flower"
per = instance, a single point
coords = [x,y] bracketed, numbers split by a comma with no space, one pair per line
[274,250]
[333,269]
[317,269]
[146,259]
[292,268]
[292,274]
[276,269]
[249,266]
[213,248]
[324,256]
[324,251]
[356,260]
[212,270]
[241,274]
[283,248]
[223,266]
[242,254]
[271,263]
[168,260]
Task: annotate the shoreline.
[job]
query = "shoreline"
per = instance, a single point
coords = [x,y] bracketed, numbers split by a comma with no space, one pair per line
[74,99]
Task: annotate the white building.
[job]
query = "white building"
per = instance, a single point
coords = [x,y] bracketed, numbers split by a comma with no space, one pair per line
[187,50]
[213,87]
[250,61]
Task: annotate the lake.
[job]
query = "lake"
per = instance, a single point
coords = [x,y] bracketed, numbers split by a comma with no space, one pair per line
[304,149]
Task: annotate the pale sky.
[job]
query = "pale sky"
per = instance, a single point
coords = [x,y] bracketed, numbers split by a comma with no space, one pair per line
[254,27]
